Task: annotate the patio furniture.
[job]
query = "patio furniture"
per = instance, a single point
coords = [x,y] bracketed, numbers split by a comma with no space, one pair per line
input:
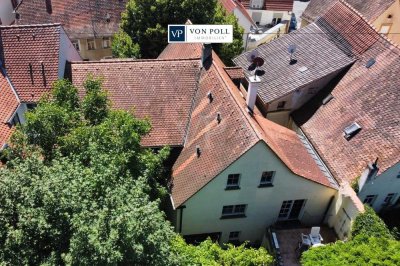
[305,240]
[315,237]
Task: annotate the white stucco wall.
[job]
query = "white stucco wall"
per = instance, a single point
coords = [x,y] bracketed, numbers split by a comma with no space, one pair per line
[267,15]
[67,53]
[296,99]
[244,23]
[344,209]
[383,184]
[203,210]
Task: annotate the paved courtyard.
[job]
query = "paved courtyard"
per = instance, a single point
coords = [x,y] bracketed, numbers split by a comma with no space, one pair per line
[288,240]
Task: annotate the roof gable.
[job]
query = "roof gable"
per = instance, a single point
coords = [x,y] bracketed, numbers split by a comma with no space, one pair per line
[31,56]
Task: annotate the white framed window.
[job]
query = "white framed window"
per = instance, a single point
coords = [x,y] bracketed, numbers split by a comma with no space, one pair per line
[75,43]
[234,236]
[233,181]
[389,198]
[369,199]
[91,44]
[234,211]
[106,42]
[267,179]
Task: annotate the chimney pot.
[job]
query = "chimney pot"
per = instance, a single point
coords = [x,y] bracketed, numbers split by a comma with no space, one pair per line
[206,53]
[254,83]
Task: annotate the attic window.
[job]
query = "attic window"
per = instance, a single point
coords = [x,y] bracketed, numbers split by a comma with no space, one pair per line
[351,131]
[303,69]
[370,63]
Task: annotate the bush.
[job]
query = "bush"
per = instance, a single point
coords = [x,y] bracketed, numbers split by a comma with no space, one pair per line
[369,223]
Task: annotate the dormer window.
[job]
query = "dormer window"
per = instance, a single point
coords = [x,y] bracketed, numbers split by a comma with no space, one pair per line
[351,131]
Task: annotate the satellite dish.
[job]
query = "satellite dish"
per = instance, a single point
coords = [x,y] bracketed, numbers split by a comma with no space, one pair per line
[259,72]
[292,48]
[258,61]
[252,67]
[250,56]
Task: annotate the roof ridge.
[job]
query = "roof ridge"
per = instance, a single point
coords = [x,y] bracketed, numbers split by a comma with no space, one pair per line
[130,60]
[226,81]
[30,25]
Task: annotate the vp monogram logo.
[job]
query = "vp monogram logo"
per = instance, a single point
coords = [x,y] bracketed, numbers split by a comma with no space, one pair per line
[176,33]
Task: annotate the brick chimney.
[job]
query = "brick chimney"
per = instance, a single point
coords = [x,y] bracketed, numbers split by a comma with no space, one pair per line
[206,53]
[254,84]
[49,7]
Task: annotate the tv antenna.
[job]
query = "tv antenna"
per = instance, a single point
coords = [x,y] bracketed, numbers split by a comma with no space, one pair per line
[256,62]
[292,49]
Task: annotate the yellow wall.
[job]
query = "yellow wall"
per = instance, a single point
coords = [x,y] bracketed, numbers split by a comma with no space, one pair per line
[394,10]
[97,54]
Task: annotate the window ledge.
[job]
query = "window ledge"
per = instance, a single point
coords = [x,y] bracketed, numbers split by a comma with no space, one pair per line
[232,188]
[233,216]
[265,185]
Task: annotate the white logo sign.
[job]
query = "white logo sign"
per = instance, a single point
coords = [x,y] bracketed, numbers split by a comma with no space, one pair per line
[200,33]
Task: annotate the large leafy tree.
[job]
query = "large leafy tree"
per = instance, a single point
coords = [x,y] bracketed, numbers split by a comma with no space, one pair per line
[78,189]
[145,23]
[371,244]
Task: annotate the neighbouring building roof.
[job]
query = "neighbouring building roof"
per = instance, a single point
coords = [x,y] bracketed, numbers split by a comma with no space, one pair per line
[231,5]
[184,51]
[273,5]
[371,9]
[80,18]
[161,90]
[316,51]
[31,56]
[8,105]
[368,94]
[223,143]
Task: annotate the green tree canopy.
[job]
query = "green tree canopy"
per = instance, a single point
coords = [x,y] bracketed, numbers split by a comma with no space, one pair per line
[209,253]
[370,224]
[145,23]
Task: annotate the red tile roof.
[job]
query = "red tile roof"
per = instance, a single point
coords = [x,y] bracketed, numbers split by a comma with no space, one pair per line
[8,105]
[37,46]
[183,51]
[371,9]
[222,144]
[235,72]
[162,90]
[80,18]
[368,96]
[274,5]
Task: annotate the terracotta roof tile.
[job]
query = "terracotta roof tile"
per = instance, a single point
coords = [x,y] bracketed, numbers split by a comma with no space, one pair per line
[275,5]
[182,51]
[25,46]
[80,18]
[368,96]
[315,50]
[163,90]
[235,72]
[222,144]
[371,9]
[8,105]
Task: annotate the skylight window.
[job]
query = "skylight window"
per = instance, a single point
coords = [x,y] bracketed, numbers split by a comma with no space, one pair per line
[370,63]
[351,130]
